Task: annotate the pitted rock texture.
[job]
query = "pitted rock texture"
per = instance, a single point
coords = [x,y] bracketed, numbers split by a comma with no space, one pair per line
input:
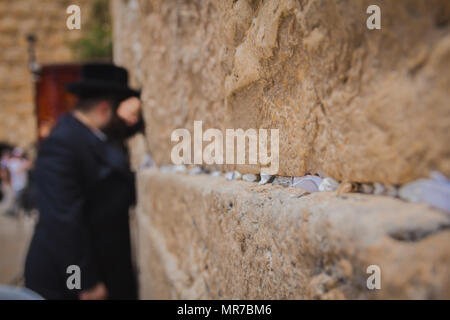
[205,237]
[352,103]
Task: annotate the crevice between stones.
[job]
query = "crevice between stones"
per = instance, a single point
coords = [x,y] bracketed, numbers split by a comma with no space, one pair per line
[416,234]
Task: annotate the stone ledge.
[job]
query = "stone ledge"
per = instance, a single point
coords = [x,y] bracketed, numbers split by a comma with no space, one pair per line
[205,237]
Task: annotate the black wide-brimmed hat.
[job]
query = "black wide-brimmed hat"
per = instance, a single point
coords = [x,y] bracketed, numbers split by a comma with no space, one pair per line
[102,79]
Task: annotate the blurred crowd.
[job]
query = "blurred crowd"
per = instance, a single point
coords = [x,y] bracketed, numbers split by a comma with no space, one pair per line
[16,196]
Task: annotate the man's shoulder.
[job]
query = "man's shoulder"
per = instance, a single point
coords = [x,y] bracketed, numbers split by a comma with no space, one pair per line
[68,133]
[70,130]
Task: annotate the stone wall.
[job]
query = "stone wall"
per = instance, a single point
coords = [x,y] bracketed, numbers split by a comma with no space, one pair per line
[204,237]
[351,103]
[47,20]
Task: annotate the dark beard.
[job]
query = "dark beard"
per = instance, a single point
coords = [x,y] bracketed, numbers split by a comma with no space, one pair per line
[116,129]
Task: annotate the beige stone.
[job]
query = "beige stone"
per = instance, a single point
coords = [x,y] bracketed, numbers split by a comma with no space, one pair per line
[352,103]
[205,237]
[47,20]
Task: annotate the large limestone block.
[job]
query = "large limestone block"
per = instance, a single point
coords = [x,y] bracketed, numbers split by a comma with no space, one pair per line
[352,103]
[205,237]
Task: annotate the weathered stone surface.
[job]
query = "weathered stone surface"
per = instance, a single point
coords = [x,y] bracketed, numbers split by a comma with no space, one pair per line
[127,39]
[47,20]
[351,103]
[206,237]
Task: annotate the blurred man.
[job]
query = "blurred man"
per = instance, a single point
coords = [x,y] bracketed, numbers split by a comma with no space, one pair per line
[7,192]
[84,189]
[19,167]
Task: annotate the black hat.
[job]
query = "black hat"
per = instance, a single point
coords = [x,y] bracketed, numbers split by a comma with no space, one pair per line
[100,79]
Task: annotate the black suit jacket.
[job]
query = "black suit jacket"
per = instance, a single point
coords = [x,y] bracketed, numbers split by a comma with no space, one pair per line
[84,190]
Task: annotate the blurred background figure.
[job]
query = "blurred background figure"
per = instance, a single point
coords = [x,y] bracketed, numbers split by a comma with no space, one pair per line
[14,173]
[39,57]
[18,167]
[7,192]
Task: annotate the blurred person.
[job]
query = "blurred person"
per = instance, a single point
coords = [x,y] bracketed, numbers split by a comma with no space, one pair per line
[6,155]
[27,200]
[18,166]
[5,178]
[84,189]
[8,196]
